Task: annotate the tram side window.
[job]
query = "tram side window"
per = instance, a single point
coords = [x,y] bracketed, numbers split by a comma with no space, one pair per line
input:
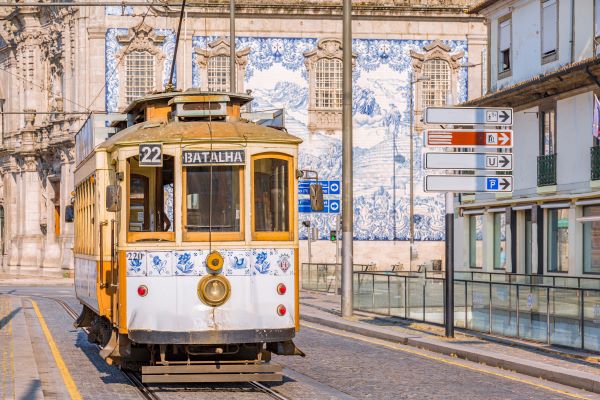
[151,191]
[271,195]
[224,202]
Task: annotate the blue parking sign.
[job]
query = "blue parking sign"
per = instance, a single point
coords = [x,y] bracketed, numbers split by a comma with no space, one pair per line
[491,184]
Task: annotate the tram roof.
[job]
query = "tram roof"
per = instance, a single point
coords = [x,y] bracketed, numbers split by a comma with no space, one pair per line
[198,131]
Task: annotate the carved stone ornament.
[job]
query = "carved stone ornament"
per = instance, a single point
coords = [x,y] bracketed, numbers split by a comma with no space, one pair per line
[30,164]
[141,38]
[326,48]
[29,117]
[436,50]
[220,47]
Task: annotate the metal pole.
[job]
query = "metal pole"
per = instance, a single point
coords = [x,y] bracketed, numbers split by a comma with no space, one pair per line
[411,212]
[170,87]
[347,192]
[232,68]
[449,288]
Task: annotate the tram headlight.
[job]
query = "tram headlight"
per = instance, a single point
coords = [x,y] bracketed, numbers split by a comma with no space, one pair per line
[214,290]
[214,262]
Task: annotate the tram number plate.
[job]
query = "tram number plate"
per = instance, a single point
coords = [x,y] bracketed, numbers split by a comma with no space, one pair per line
[151,155]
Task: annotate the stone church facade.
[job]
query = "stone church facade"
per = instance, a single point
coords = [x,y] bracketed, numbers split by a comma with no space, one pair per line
[63,66]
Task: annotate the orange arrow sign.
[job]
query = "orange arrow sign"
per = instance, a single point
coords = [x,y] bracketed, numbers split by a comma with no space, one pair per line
[468,138]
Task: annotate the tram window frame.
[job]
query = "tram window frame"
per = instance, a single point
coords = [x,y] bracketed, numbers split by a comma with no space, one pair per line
[274,235]
[137,236]
[234,236]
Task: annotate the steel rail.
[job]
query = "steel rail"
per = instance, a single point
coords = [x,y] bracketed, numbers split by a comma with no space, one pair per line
[267,390]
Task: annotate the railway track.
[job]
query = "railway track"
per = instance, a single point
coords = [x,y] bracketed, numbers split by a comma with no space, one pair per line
[144,390]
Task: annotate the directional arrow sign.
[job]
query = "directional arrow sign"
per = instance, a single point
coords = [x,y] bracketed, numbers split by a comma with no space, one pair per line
[468,183]
[486,161]
[468,116]
[468,138]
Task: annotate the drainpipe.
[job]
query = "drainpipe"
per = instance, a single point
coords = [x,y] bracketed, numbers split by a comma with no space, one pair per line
[572,31]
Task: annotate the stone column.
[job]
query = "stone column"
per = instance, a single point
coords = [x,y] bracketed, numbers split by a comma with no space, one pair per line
[67,229]
[31,239]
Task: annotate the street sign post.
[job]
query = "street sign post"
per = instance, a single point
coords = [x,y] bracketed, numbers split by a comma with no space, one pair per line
[468,138]
[468,183]
[469,161]
[468,116]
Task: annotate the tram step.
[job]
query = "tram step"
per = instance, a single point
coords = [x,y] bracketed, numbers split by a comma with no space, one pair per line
[212,373]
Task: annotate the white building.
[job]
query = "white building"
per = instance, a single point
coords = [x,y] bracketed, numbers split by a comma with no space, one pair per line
[542,61]
[61,61]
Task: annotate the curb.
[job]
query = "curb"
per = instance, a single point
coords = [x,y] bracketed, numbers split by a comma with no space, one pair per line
[573,378]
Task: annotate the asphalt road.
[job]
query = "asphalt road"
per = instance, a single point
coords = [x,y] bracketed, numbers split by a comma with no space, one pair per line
[338,365]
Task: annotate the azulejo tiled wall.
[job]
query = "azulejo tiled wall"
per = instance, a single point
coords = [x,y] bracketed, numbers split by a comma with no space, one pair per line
[278,78]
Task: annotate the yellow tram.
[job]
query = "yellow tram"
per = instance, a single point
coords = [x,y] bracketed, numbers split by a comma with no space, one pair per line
[186,240]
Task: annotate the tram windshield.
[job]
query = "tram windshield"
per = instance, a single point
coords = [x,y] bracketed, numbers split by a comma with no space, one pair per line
[151,191]
[271,193]
[219,212]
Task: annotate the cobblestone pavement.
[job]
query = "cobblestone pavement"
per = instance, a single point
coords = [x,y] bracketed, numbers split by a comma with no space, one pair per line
[337,366]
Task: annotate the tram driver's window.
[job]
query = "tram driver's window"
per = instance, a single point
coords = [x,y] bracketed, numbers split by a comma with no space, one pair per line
[219,212]
[271,195]
[151,191]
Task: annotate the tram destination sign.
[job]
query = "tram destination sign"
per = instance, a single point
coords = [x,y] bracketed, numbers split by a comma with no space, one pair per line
[468,138]
[468,183]
[468,116]
[469,161]
[192,158]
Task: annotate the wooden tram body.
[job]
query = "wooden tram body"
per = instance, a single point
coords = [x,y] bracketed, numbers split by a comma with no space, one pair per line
[186,240]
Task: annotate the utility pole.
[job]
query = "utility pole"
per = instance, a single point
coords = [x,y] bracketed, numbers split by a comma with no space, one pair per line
[232,68]
[347,191]
[449,248]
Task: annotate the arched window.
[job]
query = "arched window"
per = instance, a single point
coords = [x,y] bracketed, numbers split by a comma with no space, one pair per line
[328,83]
[436,82]
[218,74]
[139,74]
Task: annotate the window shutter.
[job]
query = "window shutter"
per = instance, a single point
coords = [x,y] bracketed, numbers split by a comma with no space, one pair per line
[549,27]
[505,35]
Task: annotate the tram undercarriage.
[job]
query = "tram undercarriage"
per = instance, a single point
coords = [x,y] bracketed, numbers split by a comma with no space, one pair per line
[176,362]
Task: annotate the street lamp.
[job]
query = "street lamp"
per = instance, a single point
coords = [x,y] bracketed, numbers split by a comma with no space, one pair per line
[411,174]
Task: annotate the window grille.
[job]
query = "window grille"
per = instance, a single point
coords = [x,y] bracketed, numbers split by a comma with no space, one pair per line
[328,83]
[436,83]
[140,75]
[218,74]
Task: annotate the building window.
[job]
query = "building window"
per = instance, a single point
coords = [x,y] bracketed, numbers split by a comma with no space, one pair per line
[548,132]
[218,74]
[558,240]
[499,240]
[328,83]
[504,44]
[436,82]
[591,239]
[549,30]
[484,72]
[139,75]
[476,241]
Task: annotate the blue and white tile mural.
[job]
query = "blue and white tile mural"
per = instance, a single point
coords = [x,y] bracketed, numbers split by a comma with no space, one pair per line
[111,50]
[278,78]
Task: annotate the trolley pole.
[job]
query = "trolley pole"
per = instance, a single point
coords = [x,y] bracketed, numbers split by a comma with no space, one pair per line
[232,66]
[347,191]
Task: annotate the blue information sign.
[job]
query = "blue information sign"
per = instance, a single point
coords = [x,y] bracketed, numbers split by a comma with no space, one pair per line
[334,206]
[334,187]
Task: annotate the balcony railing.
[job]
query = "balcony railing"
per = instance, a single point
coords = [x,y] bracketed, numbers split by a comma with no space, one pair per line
[595,164]
[546,170]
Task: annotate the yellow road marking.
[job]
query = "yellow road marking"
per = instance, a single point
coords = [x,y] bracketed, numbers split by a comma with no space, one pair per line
[66,375]
[445,361]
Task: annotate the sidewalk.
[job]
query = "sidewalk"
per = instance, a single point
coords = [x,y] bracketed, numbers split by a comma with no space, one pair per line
[564,366]
[9,279]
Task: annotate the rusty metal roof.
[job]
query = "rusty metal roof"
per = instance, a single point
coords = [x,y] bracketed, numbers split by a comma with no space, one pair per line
[567,78]
[198,132]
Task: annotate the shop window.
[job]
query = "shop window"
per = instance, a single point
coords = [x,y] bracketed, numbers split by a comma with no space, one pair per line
[213,203]
[558,240]
[499,240]
[150,201]
[271,185]
[591,240]
[476,241]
